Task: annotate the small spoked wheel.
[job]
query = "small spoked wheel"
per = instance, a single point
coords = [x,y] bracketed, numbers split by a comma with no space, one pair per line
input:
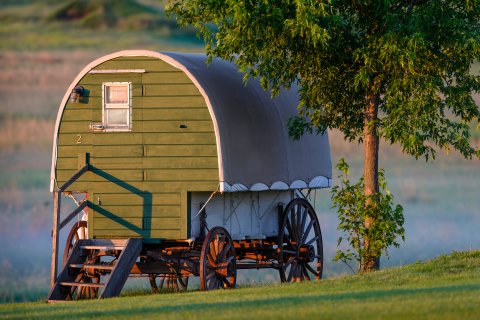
[300,247]
[170,281]
[78,232]
[218,266]
[86,276]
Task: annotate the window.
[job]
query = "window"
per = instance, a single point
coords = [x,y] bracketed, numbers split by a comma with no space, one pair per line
[117,106]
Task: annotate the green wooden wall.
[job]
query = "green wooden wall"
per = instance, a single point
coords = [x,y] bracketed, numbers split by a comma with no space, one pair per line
[141,178]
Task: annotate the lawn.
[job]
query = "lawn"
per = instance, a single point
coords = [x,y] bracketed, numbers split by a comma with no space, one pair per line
[447,287]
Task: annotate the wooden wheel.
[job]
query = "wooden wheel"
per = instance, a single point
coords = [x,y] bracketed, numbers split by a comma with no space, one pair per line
[168,281]
[300,244]
[78,232]
[218,267]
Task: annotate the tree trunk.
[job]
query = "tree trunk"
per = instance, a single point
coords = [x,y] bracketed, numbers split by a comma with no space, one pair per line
[370,172]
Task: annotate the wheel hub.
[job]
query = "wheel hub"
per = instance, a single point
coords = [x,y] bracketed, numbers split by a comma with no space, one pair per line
[306,252]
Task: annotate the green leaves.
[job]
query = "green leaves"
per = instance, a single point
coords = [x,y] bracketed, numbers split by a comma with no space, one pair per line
[355,208]
[417,55]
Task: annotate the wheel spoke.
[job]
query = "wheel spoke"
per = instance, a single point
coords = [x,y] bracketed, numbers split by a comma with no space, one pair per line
[212,251]
[293,221]
[307,231]
[225,249]
[216,246]
[290,273]
[290,252]
[225,282]
[210,259]
[304,220]
[210,275]
[298,215]
[290,231]
[221,245]
[309,267]
[161,282]
[286,264]
[175,284]
[183,281]
[312,240]
[305,271]
[213,284]
[300,272]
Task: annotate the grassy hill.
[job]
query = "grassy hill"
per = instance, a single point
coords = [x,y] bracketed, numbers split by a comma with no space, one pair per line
[447,287]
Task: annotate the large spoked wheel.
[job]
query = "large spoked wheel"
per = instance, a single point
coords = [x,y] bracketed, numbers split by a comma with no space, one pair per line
[78,232]
[300,246]
[218,266]
[169,281]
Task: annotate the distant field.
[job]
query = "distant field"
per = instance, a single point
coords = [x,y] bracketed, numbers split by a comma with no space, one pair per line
[33,25]
[445,288]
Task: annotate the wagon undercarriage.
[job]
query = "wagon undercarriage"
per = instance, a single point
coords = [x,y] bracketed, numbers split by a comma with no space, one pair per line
[99,267]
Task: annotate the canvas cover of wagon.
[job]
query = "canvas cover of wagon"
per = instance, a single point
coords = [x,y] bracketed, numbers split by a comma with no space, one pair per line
[179,169]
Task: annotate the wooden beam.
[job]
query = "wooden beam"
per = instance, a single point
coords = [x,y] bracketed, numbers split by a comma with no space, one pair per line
[72,215]
[117,71]
[55,234]
[150,267]
[74,178]
[122,268]
[253,265]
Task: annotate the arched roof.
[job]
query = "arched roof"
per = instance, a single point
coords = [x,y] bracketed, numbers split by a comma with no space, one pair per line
[254,149]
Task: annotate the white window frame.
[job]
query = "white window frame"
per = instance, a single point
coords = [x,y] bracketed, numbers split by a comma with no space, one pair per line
[127,106]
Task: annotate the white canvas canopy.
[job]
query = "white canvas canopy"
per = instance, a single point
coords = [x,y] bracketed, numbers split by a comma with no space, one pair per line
[254,149]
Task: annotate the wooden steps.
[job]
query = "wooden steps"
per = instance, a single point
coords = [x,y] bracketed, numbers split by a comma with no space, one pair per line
[80,277]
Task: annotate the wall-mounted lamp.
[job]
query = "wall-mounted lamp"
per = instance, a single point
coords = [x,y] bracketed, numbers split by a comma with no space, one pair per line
[76,93]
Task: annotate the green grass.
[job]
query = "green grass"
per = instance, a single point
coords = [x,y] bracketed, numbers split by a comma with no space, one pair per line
[447,287]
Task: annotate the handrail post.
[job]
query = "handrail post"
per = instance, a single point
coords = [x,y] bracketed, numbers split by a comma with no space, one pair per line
[56,218]
[55,236]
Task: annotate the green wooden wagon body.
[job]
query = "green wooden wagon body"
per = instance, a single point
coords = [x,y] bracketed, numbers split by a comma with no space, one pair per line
[141,176]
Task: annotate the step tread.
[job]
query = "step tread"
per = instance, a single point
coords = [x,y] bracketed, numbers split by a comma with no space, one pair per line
[82,284]
[92,266]
[102,247]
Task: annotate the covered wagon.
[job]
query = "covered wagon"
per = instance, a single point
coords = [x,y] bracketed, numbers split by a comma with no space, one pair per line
[180,169]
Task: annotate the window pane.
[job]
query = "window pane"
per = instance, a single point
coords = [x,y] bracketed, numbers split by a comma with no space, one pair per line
[116,93]
[117,117]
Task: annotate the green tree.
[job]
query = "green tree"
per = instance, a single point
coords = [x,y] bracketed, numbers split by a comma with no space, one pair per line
[398,70]
[350,199]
